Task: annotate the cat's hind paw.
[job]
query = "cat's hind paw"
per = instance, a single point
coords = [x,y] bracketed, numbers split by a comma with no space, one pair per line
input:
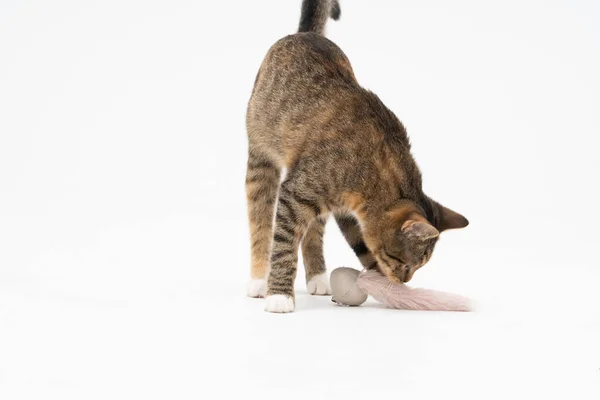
[319,285]
[257,288]
[279,303]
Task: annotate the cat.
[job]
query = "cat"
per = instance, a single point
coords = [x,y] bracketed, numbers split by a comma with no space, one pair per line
[344,154]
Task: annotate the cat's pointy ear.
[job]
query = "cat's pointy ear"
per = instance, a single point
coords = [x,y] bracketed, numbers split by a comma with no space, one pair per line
[419,229]
[412,222]
[451,219]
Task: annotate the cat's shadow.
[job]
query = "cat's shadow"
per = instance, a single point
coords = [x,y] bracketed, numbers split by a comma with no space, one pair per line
[305,301]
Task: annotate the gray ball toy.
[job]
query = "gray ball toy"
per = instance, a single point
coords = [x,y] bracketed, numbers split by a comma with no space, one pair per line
[344,289]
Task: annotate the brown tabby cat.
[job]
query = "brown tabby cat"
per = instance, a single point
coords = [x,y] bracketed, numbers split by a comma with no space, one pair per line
[345,154]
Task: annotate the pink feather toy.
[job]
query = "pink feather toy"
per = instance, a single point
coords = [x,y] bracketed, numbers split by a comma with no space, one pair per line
[350,287]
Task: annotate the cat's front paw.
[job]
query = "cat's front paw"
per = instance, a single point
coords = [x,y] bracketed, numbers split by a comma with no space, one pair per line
[319,285]
[279,303]
[257,288]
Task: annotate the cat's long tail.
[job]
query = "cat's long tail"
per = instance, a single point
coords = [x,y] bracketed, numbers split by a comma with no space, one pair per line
[315,14]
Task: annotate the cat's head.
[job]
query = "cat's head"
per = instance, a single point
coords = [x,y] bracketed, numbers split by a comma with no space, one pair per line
[406,236]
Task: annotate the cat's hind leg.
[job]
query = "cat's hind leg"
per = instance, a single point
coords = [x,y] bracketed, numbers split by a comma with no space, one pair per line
[262,182]
[317,281]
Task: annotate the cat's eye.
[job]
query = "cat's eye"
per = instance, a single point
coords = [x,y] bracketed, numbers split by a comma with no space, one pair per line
[393,257]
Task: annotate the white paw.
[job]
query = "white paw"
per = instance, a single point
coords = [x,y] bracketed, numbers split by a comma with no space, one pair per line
[319,284]
[257,288]
[279,303]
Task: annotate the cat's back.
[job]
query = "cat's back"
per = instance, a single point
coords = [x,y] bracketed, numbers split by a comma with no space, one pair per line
[304,64]
[305,88]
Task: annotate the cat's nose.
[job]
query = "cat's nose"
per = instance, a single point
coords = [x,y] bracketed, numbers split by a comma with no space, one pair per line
[408,274]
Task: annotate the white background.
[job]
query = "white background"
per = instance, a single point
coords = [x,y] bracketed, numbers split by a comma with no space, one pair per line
[123,237]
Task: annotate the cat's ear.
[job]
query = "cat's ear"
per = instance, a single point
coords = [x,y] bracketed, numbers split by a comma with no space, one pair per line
[451,219]
[421,230]
[412,222]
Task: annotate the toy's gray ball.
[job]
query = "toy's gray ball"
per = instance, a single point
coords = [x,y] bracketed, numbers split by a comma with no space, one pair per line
[343,287]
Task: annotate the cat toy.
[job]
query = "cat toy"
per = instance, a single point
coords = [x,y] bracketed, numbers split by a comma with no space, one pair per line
[351,288]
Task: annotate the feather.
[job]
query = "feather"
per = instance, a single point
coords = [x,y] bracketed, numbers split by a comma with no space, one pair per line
[398,295]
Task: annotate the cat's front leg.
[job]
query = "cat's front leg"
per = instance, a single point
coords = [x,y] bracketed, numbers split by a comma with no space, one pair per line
[317,281]
[295,212]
